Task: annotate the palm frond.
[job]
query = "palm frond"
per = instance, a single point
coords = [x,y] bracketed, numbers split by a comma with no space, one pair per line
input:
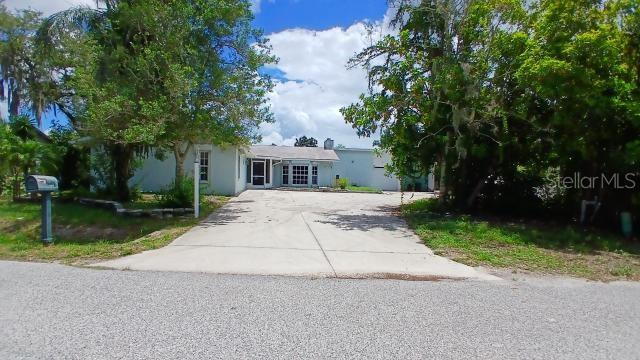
[81,19]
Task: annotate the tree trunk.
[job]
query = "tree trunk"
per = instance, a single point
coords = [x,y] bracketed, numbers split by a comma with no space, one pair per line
[476,191]
[443,171]
[180,155]
[14,104]
[122,156]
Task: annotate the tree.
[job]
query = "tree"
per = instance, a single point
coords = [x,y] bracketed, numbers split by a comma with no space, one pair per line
[581,73]
[306,142]
[165,74]
[22,66]
[434,97]
[223,98]
[495,95]
[21,152]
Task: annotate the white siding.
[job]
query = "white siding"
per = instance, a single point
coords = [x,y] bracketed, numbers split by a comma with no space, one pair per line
[153,174]
[364,168]
[355,165]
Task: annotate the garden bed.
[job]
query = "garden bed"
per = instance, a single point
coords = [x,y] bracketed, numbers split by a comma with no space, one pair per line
[120,210]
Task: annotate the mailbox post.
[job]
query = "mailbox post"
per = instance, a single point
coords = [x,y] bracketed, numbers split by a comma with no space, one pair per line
[44,185]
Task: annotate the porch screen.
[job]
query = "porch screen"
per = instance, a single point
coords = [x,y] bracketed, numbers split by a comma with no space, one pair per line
[300,174]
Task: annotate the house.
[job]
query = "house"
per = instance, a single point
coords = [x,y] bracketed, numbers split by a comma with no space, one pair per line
[231,170]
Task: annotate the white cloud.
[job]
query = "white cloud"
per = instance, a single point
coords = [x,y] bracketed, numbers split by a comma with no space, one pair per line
[255,6]
[317,83]
[47,7]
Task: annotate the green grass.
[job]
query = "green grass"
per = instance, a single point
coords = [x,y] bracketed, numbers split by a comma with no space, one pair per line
[83,234]
[524,246]
[363,189]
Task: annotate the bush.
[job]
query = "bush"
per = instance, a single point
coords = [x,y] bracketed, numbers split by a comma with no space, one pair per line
[342,183]
[177,195]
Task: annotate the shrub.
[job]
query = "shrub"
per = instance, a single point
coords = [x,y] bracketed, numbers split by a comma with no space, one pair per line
[343,183]
[177,195]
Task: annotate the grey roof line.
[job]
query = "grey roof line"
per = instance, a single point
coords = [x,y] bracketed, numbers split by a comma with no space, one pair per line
[293,153]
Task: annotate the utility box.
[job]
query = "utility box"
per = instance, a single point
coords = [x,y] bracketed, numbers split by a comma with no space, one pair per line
[41,183]
[44,185]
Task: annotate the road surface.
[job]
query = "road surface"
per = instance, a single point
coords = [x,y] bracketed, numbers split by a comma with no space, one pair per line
[52,311]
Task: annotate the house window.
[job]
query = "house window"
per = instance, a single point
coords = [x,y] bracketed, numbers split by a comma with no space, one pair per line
[248,163]
[285,174]
[238,166]
[314,175]
[204,166]
[300,174]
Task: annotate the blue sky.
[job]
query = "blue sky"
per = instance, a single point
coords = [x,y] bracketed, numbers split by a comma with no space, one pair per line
[278,15]
[313,40]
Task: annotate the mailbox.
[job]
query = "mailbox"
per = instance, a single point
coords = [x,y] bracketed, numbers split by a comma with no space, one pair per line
[41,183]
[45,185]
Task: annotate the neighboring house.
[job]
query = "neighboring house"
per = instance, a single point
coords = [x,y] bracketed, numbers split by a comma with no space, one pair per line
[231,170]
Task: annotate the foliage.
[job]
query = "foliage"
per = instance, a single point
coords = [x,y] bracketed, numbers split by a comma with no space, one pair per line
[526,246]
[73,158]
[492,95]
[367,189]
[22,152]
[165,74]
[306,142]
[22,64]
[342,183]
[179,194]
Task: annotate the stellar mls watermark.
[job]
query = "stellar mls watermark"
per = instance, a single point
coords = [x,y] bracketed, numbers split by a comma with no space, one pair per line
[612,181]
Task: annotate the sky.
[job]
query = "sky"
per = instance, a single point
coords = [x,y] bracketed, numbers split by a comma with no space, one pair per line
[313,40]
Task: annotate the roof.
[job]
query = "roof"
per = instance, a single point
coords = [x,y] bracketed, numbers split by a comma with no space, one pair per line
[293,153]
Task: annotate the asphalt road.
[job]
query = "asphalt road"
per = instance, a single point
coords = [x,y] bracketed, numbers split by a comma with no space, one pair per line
[58,312]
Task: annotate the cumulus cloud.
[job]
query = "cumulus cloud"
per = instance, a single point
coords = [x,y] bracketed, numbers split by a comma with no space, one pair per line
[47,7]
[313,83]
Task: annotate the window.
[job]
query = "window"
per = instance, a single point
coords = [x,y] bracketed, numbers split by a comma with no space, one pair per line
[204,166]
[285,174]
[248,163]
[314,175]
[238,166]
[300,174]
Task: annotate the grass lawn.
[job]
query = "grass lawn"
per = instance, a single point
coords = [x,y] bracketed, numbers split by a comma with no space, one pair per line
[363,189]
[532,247]
[83,234]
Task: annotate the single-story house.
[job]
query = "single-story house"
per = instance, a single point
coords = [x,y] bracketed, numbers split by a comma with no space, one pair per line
[231,170]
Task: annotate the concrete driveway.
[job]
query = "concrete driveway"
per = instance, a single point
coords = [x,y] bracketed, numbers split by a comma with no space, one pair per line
[273,232]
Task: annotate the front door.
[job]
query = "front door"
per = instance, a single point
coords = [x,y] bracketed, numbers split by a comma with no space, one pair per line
[257,172]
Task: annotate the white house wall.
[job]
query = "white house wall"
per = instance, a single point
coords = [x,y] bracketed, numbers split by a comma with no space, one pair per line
[153,175]
[361,167]
[355,165]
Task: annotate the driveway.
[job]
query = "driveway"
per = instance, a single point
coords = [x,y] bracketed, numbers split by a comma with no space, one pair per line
[271,232]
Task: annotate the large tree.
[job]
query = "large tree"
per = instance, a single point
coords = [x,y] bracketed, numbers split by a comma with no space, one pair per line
[23,67]
[436,98]
[495,95]
[165,74]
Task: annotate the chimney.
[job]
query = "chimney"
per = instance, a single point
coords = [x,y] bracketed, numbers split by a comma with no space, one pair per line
[328,144]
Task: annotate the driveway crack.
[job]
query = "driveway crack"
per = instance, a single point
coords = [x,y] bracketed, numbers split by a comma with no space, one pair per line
[320,246]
